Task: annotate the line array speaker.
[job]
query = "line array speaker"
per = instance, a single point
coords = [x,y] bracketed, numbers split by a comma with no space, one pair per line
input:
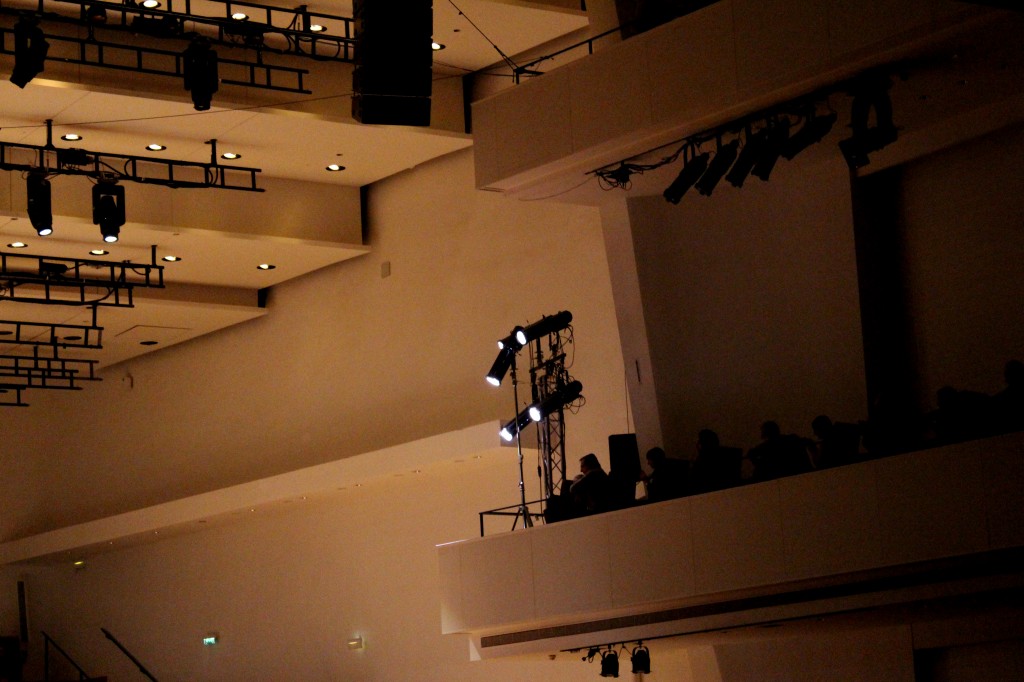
[391,82]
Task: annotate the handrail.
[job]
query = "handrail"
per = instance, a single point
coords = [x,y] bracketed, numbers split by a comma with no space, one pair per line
[47,641]
[515,510]
[127,653]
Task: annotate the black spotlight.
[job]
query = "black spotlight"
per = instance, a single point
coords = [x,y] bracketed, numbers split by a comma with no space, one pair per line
[557,400]
[691,172]
[200,70]
[870,94]
[30,48]
[724,158]
[549,324]
[511,428]
[108,209]
[610,664]
[749,155]
[95,14]
[501,364]
[811,132]
[641,659]
[39,206]
[778,134]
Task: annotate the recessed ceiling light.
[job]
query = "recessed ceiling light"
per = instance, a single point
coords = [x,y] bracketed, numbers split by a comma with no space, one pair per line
[17,245]
[172,259]
[73,337]
[150,4]
[436,46]
[239,16]
[265,266]
[317,28]
[148,343]
[155,147]
[230,155]
[98,252]
[71,137]
[335,167]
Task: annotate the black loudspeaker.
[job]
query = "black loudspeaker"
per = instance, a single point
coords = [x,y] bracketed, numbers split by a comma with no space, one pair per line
[391,81]
[624,472]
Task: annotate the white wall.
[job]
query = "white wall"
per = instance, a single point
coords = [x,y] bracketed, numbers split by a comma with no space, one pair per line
[345,362]
[751,304]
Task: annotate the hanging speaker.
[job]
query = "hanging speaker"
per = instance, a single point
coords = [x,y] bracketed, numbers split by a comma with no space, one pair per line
[391,81]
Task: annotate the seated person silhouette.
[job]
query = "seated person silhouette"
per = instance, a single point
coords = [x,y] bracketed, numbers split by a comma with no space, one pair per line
[1009,402]
[591,491]
[838,442]
[715,467]
[779,455]
[667,479]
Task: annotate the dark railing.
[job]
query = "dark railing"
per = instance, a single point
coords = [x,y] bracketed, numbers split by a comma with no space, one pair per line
[127,653]
[516,511]
[49,642]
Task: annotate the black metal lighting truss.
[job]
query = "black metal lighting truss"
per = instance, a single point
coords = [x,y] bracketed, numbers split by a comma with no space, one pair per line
[74,281]
[50,373]
[21,333]
[154,61]
[50,160]
[548,375]
[290,31]
[10,395]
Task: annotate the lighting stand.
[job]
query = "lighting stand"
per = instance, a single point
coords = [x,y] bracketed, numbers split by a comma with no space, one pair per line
[523,509]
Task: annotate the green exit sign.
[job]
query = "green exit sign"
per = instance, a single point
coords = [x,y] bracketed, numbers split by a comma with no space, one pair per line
[210,640]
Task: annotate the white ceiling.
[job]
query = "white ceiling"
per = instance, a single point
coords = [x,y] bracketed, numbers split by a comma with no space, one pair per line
[121,116]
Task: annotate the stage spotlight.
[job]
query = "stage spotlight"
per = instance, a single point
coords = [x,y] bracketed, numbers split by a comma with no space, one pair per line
[610,664]
[560,398]
[39,206]
[501,364]
[751,151]
[515,340]
[869,94]
[512,428]
[691,172]
[108,209]
[200,71]
[549,324]
[778,134]
[724,158]
[30,48]
[641,660]
[96,14]
[811,132]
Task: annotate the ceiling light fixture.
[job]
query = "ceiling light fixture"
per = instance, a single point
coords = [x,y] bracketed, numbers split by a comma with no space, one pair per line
[17,245]
[436,46]
[641,660]
[610,663]
[172,259]
[265,266]
[39,206]
[335,167]
[240,16]
[108,209]
[96,14]
[150,4]
[71,137]
[317,28]
[99,252]
[155,147]
[230,156]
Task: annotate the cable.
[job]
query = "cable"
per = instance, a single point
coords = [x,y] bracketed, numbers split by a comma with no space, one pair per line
[504,57]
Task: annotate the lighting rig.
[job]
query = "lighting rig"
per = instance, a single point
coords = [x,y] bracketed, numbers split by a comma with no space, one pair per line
[639,658]
[68,282]
[759,140]
[246,25]
[553,391]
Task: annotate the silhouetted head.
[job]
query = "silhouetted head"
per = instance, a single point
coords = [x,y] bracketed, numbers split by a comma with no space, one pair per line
[655,456]
[770,430]
[589,463]
[821,426]
[707,440]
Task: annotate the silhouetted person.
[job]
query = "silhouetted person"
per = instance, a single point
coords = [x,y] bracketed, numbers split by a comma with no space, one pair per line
[1009,402]
[591,491]
[838,442]
[715,467]
[779,455]
[667,479]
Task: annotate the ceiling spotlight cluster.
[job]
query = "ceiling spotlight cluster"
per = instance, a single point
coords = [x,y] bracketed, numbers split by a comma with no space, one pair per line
[639,658]
[753,145]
